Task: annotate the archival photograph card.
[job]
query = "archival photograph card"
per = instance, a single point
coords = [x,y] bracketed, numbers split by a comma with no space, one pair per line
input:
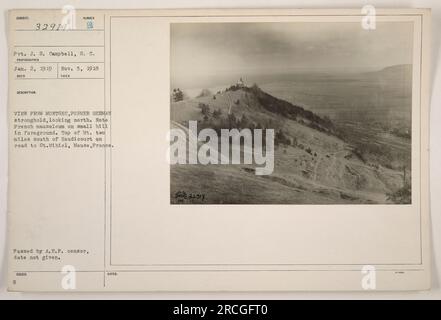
[218,150]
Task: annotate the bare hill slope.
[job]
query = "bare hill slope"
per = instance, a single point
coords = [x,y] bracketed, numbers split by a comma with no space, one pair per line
[312,164]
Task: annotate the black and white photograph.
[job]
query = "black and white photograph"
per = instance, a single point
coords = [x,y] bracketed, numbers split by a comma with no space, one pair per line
[331,103]
[238,151]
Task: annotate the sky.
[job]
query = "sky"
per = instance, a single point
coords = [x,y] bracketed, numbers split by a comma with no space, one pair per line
[209,54]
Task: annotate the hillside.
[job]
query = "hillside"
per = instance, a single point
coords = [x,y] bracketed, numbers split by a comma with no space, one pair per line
[312,164]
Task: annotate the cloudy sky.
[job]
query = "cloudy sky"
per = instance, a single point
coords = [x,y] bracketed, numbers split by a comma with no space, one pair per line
[214,52]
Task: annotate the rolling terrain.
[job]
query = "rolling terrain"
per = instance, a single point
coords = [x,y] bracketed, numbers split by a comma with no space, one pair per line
[383,96]
[316,162]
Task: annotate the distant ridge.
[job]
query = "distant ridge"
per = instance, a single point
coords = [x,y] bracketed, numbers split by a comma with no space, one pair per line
[399,71]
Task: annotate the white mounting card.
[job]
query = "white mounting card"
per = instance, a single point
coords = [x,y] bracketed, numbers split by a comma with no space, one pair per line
[219,150]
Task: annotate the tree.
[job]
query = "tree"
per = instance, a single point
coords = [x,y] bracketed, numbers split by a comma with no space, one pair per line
[232,121]
[217,113]
[281,138]
[205,109]
[177,95]
[244,123]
